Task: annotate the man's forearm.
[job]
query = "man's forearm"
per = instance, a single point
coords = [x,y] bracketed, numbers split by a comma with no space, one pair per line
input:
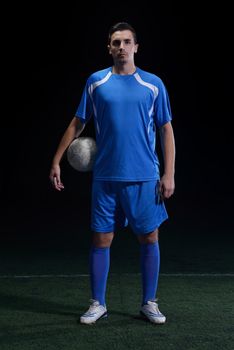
[168,149]
[74,130]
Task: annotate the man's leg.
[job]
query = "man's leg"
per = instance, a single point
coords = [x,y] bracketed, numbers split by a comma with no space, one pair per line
[150,263]
[99,264]
[99,268]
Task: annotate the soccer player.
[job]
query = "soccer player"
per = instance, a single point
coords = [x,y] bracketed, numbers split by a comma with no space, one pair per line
[128,106]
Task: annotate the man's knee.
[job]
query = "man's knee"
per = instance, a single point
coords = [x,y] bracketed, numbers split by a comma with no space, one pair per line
[102,240]
[149,238]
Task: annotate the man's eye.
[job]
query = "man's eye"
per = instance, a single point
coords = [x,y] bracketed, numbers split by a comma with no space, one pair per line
[116,43]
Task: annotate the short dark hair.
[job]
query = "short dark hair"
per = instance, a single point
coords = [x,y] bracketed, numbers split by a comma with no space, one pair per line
[122,26]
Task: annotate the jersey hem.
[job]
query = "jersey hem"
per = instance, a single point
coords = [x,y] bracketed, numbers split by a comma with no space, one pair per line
[125,179]
[82,120]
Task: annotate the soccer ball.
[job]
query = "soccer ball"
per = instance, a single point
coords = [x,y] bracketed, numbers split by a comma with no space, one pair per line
[81,153]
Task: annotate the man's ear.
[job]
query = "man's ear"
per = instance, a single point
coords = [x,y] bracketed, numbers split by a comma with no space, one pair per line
[136,48]
[108,48]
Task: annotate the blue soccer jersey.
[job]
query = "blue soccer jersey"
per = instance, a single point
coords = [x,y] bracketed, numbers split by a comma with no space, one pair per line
[126,110]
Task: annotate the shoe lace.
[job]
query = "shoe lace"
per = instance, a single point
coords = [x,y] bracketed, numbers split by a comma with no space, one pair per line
[94,304]
[154,305]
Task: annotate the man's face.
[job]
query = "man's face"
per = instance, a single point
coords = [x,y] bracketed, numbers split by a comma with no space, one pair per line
[122,46]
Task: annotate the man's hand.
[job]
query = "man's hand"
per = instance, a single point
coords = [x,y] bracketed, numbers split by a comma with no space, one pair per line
[55,178]
[166,186]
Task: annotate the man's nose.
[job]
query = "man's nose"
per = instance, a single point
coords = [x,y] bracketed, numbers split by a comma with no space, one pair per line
[121,45]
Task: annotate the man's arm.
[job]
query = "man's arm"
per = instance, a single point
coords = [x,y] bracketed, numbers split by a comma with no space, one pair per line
[73,130]
[167,182]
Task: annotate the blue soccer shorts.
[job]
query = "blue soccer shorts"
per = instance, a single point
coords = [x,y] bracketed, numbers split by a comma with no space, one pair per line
[116,203]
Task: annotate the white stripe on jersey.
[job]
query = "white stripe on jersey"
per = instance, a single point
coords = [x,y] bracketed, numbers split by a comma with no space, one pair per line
[155,91]
[92,88]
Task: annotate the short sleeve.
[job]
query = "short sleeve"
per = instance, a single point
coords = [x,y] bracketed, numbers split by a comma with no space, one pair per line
[85,109]
[162,110]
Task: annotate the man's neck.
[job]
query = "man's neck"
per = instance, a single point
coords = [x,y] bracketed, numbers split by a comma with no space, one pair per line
[125,69]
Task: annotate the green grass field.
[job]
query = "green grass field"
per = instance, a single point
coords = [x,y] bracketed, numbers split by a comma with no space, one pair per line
[43,312]
[44,288]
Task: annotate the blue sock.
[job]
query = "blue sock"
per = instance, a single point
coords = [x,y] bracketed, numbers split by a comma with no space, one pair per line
[150,263]
[99,268]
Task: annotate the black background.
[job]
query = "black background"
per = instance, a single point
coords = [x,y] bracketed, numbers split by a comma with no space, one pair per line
[49,50]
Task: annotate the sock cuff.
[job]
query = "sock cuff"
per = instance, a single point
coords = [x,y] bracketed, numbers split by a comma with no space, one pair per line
[99,250]
[149,247]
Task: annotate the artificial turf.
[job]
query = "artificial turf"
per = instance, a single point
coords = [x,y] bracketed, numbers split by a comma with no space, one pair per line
[43,313]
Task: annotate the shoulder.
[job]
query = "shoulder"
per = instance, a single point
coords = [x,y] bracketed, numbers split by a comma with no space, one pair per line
[98,75]
[150,77]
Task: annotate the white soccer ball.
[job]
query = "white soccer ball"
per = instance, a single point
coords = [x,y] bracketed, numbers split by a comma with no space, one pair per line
[81,153]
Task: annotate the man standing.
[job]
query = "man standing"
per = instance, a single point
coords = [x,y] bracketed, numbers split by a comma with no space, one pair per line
[128,105]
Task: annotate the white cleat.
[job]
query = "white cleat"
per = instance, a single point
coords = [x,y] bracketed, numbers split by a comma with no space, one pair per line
[94,313]
[152,313]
